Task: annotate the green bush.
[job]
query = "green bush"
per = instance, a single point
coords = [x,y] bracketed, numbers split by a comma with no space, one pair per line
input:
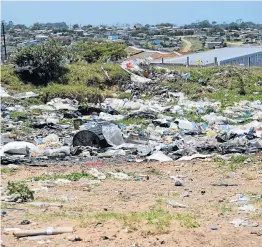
[41,63]
[92,52]
[21,189]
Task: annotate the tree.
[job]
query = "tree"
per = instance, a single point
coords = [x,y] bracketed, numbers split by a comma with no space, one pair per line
[36,26]
[75,26]
[9,25]
[214,23]
[204,24]
[20,26]
[93,52]
[40,64]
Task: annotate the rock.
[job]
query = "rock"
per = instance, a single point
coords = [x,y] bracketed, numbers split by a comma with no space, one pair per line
[74,238]
[178,183]
[185,194]
[258,233]
[213,228]
[25,222]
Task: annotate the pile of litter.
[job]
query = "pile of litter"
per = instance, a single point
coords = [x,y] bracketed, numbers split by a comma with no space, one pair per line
[125,130]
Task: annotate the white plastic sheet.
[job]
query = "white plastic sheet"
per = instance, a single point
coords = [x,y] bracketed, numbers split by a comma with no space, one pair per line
[20,148]
[159,156]
[112,134]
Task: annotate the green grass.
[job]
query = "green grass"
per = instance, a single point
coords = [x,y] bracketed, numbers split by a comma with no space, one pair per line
[226,86]
[224,209]
[7,170]
[131,121]
[124,95]
[159,219]
[66,121]
[235,162]
[74,176]
[77,91]
[43,199]
[154,171]
[82,73]
[11,82]
[190,116]
[81,81]
[16,115]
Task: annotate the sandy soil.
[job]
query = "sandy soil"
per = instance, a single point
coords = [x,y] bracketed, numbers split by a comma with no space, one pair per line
[135,212]
[187,47]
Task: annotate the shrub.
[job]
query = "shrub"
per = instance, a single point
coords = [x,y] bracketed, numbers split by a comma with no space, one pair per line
[40,64]
[20,189]
[91,52]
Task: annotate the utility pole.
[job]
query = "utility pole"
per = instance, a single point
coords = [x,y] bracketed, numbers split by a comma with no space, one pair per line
[3,30]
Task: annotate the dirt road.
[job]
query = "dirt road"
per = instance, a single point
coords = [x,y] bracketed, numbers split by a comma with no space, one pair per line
[187,48]
[135,212]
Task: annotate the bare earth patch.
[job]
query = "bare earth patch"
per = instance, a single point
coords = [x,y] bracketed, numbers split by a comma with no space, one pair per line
[135,212]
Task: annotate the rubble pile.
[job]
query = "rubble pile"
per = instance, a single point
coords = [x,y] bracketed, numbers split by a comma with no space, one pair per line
[122,130]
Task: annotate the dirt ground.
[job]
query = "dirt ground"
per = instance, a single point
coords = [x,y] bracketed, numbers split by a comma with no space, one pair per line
[135,212]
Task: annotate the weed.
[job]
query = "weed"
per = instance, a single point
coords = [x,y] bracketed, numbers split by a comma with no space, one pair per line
[234,163]
[257,200]
[48,217]
[130,121]
[43,199]
[74,176]
[66,121]
[20,189]
[7,170]
[225,209]
[124,95]
[187,220]
[256,216]
[154,171]
[17,115]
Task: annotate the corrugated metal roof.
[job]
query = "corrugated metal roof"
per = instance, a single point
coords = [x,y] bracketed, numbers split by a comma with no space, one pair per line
[207,57]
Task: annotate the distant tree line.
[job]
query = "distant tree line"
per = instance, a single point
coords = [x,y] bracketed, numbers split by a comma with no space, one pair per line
[239,24]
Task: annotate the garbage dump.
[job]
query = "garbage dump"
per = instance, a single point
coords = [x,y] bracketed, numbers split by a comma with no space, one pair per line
[165,127]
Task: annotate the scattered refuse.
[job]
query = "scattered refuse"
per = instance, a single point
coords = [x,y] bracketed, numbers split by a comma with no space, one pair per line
[165,127]
[25,95]
[47,231]
[159,156]
[45,204]
[214,228]
[241,198]
[119,175]
[247,208]
[175,204]
[97,174]
[195,156]
[239,222]
[224,184]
